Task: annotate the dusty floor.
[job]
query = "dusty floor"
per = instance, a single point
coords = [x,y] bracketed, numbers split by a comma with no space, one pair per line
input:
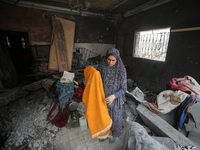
[75,139]
[24,124]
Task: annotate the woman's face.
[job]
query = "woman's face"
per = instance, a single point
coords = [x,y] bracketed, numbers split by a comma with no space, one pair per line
[111,60]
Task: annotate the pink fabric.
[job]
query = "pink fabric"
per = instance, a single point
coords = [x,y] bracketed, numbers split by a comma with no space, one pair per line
[186,84]
[192,85]
[174,85]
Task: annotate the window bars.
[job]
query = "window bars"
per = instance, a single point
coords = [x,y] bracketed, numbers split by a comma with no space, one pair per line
[152,44]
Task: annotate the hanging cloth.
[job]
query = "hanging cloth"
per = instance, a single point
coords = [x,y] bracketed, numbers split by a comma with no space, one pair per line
[99,121]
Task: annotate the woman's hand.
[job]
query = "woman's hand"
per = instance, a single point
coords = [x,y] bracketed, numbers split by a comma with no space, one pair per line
[110,99]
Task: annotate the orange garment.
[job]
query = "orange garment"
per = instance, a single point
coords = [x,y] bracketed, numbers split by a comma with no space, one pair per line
[93,99]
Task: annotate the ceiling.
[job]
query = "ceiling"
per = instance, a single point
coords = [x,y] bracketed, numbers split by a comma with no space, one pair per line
[110,9]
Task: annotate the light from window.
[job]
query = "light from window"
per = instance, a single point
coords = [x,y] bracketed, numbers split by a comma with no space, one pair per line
[152,44]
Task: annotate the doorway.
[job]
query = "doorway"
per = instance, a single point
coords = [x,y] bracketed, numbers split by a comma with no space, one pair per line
[20,53]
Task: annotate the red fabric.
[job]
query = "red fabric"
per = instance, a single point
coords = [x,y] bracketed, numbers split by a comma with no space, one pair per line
[78,93]
[51,111]
[60,119]
[53,87]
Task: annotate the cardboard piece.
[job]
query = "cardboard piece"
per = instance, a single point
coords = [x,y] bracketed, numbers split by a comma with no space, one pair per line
[62,47]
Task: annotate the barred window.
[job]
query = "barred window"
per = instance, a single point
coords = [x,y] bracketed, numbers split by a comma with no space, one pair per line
[152,44]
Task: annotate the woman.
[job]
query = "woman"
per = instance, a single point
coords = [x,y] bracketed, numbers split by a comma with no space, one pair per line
[114,79]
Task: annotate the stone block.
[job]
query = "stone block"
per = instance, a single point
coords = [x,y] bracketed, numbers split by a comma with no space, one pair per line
[161,127]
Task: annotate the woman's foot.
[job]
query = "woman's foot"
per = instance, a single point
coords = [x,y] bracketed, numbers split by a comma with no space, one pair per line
[112,140]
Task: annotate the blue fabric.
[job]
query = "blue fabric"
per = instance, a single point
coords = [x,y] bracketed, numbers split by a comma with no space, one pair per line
[113,54]
[149,100]
[65,92]
[119,93]
[182,114]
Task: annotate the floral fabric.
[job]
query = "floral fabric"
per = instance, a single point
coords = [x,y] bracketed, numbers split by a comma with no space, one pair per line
[114,79]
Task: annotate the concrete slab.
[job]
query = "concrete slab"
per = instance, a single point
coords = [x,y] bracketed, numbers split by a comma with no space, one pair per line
[161,127]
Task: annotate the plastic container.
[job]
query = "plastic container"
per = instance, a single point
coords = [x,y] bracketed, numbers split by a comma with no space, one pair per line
[83,123]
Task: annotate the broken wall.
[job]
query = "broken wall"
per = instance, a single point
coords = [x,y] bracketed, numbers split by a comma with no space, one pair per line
[91,33]
[183,49]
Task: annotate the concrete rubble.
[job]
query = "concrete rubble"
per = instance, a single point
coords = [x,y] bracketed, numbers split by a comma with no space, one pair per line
[23,112]
[24,124]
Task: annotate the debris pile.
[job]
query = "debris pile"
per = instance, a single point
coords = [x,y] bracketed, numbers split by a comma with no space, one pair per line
[26,124]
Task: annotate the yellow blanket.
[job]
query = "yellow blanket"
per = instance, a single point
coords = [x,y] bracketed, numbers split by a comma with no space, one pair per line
[97,115]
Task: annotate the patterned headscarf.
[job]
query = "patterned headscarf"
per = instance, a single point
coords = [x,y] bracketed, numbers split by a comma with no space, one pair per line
[114,78]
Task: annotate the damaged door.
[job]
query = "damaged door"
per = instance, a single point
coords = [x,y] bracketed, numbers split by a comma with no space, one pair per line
[17,44]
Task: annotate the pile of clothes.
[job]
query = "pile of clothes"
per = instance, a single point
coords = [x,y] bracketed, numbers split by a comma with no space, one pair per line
[66,90]
[182,92]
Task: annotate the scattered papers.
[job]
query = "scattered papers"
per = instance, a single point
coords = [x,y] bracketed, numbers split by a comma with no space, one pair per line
[137,94]
[67,77]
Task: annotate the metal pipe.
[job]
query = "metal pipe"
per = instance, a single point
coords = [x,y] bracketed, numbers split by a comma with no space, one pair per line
[118,5]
